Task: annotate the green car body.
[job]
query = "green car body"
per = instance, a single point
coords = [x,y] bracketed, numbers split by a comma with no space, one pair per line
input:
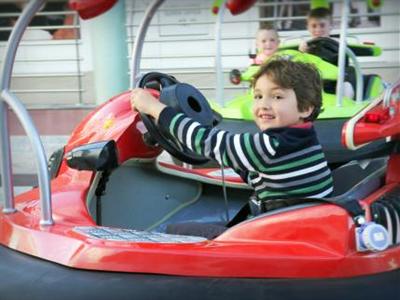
[241,106]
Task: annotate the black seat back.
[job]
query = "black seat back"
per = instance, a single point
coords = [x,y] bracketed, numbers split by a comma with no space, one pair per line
[348,178]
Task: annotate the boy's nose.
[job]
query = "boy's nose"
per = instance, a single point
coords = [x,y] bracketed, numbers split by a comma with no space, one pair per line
[264,105]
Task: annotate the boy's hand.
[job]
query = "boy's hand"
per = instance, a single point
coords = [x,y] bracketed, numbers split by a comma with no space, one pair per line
[303,47]
[144,102]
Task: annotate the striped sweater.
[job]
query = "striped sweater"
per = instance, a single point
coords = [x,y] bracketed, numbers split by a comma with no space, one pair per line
[279,163]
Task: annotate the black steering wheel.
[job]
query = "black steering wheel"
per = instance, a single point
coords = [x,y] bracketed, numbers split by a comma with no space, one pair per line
[325,48]
[183,98]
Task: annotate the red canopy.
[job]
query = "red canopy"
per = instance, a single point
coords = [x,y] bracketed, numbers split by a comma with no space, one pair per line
[238,6]
[88,9]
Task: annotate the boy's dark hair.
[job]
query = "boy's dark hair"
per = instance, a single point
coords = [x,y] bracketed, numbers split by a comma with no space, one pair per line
[303,78]
[266,26]
[320,13]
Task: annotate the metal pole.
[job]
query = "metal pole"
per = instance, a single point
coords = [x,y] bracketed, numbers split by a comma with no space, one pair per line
[23,116]
[359,76]
[15,37]
[78,60]
[5,79]
[139,40]
[5,161]
[218,59]
[342,53]
[39,154]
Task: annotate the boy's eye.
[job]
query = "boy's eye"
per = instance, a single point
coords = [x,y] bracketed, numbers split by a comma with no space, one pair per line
[277,97]
[257,97]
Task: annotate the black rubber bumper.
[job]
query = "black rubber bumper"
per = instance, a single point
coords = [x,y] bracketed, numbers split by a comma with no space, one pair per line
[25,277]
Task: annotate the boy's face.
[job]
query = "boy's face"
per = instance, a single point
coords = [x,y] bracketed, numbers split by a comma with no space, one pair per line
[319,27]
[267,41]
[275,106]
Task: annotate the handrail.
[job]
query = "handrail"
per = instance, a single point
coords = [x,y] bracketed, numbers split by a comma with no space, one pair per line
[23,116]
[139,41]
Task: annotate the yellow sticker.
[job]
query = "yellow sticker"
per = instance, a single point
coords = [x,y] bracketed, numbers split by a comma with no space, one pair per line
[109,122]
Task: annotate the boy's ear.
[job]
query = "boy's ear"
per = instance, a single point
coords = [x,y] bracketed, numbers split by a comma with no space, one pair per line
[306,112]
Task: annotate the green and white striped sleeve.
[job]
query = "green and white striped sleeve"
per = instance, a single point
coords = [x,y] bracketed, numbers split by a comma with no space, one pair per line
[249,152]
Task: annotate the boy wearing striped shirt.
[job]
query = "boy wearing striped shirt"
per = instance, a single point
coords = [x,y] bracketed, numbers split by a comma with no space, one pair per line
[285,159]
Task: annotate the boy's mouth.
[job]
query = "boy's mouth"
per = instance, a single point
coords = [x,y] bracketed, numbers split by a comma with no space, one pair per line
[266,116]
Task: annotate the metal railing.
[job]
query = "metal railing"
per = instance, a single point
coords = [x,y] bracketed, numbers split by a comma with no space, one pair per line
[64,51]
[258,20]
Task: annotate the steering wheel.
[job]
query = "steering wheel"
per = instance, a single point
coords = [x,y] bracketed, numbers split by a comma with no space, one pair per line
[183,98]
[325,48]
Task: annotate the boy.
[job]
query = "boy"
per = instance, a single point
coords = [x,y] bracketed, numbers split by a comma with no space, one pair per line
[267,43]
[319,24]
[285,159]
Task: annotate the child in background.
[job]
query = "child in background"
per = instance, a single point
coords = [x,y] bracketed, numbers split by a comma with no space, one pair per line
[267,43]
[285,159]
[319,24]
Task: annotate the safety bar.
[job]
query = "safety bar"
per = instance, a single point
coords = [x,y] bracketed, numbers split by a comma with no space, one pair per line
[139,40]
[16,105]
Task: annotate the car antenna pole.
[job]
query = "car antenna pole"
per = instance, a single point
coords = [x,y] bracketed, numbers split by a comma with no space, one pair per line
[224,190]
